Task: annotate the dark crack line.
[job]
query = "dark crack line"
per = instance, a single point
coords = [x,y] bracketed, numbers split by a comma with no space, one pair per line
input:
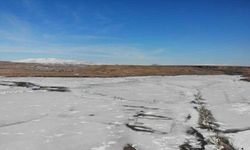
[236,130]
[20,122]
[152,117]
[143,107]
[144,129]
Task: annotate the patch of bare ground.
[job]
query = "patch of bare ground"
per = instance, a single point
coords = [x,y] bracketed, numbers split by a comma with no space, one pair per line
[129,147]
[222,142]
[198,145]
[206,121]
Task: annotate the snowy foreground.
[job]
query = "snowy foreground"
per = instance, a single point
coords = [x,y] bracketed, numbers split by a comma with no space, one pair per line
[150,113]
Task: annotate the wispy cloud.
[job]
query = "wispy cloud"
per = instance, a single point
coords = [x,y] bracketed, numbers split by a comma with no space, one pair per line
[15,30]
[19,36]
[19,32]
[77,37]
[98,53]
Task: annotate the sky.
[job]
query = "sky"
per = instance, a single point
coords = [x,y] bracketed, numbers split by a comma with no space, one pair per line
[127,31]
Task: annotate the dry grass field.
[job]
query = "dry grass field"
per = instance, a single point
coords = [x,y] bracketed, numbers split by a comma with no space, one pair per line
[10,69]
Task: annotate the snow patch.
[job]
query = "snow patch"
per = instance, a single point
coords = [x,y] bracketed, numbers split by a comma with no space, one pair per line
[53,61]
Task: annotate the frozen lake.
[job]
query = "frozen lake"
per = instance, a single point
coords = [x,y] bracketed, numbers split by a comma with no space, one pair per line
[150,113]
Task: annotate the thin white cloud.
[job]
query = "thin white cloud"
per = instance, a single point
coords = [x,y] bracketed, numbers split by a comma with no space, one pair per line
[18,36]
[15,30]
[105,53]
[71,37]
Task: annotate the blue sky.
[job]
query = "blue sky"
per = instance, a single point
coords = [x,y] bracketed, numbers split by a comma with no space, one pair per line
[127,31]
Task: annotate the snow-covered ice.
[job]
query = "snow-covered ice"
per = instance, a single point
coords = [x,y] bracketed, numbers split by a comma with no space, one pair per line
[108,113]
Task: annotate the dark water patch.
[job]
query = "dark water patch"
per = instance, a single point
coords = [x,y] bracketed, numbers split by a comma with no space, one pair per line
[34,86]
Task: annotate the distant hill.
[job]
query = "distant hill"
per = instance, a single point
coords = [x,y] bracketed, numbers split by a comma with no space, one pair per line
[53,61]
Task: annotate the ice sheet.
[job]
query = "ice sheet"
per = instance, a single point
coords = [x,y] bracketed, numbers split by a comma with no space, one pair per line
[98,113]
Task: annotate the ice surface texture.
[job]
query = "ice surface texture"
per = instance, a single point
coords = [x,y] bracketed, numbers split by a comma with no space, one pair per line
[142,113]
